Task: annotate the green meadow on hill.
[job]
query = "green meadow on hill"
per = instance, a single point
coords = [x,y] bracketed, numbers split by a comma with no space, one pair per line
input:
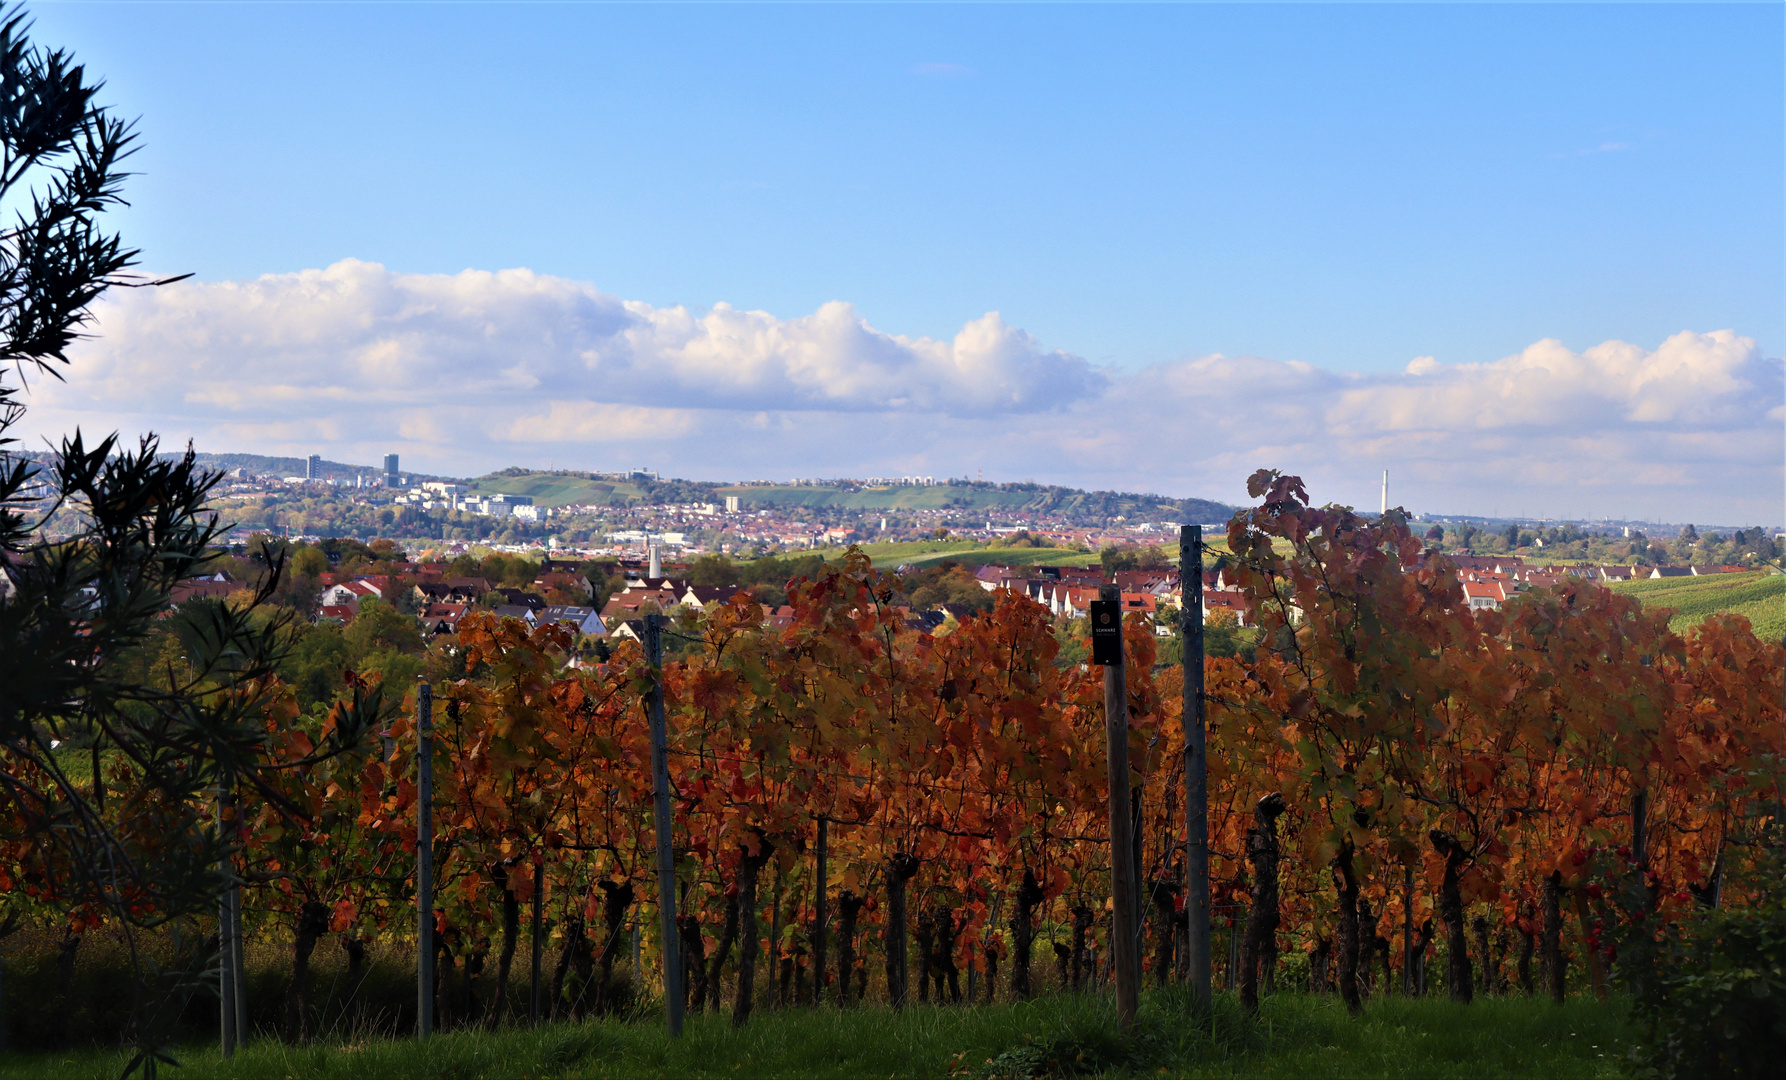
[1760,596]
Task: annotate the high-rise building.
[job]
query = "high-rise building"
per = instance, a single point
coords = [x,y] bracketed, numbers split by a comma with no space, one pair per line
[313,467]
[391,479]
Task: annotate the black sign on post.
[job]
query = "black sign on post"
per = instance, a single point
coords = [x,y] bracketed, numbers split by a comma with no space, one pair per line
[1106,632]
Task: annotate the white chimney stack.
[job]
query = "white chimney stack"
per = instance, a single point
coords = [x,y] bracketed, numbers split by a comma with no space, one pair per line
[656,569]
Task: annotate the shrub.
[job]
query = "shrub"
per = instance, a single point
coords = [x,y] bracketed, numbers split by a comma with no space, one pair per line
[1712,996]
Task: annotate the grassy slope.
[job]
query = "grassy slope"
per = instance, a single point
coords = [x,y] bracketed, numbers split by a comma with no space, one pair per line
[1759,596]
[550,490]
[1294,1036]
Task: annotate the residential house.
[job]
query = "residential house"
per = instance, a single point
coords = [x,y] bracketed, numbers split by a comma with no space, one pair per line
[926,622]
[1489,595]
[635,604]
[532,601]
[208,587]
[1154,582]
[703,596]
[1076,603]
[431,590]
[584,620]
[572,583]
[628,629]
[1494,564]
[678,586]
[348,593]
[469,590]
[1225,600]
[442,619]
[993,578]
[341,613]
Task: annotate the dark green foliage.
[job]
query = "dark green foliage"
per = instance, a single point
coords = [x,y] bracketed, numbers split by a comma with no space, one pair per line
[379,997]
[176,711]
[712,570]
[948,583]
[1151,557]
[1075,1049]
[1712,993]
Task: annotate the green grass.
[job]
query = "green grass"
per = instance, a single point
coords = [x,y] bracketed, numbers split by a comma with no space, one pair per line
[549,489]
[1293,1036]
[1760,596]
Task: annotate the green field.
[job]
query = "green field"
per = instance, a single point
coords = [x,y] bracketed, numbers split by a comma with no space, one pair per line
[1760,596]
[1294,1036]
[552,489]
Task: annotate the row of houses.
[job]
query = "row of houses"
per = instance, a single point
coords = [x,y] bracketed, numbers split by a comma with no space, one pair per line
[1488,582]
[440,620]
[1495,581]
[1067,591]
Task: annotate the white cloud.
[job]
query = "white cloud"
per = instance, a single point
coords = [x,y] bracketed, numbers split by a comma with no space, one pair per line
[477,370]
[360,336]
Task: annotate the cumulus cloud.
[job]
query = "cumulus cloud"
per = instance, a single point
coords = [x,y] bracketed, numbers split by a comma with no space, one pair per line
[357,335]
[476,370]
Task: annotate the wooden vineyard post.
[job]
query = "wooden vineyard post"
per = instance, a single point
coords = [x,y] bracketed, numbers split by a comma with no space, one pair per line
[424,854]
[1124,946]
[226,986]
[1196,763]
[1408,932]
[820,915]
[1596,969]
[238,962]
[666,857]
[226,950]
[535,995]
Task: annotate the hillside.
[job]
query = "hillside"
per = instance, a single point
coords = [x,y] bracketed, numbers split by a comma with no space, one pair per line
[967,497]
[561,489]
[262,465]
[970,497]
[1759,596]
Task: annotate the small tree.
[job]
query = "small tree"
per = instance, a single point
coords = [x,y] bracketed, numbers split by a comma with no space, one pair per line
[135,842]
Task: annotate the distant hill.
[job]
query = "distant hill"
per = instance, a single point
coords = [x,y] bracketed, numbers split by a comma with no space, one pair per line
[968,497]
[565,488]
[262,465]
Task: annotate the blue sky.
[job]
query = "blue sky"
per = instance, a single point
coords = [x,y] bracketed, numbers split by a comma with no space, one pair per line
[1348,187]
